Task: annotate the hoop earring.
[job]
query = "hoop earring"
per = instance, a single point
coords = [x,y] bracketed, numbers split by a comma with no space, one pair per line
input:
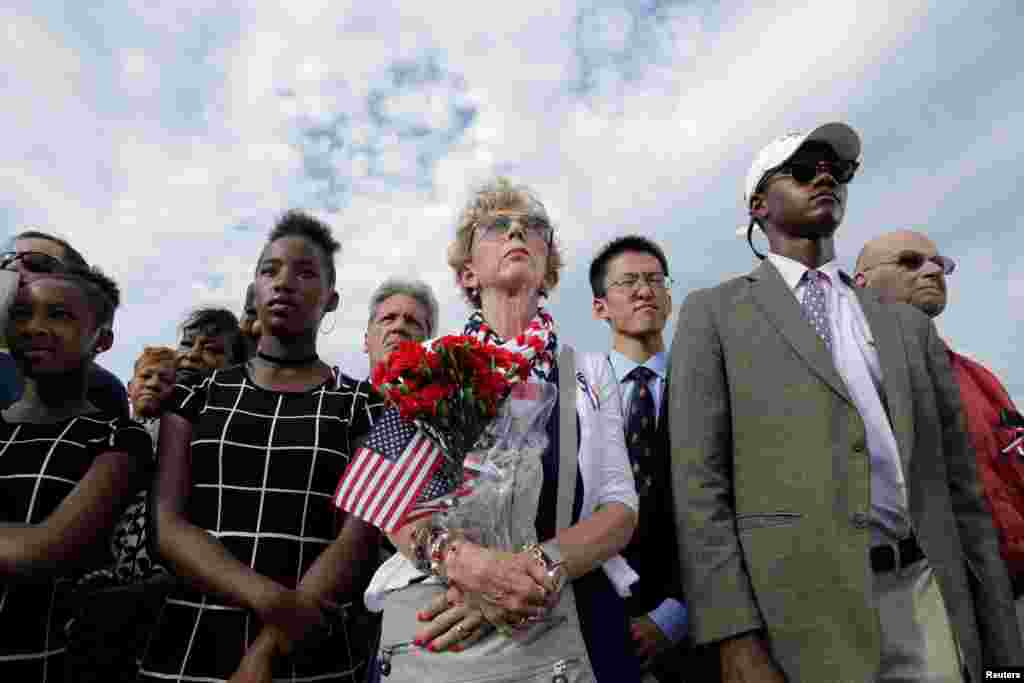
[334,322]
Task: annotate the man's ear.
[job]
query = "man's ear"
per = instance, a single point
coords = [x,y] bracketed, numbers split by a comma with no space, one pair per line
[332,302]
[860,280]
[599,309]
[104,340]
[366,342]
[758,208]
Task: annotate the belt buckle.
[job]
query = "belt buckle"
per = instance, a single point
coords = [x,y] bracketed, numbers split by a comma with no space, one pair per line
[898,564]
[891,554]
[894,549]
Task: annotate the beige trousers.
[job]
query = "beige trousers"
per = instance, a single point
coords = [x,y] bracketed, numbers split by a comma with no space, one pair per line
[917,643]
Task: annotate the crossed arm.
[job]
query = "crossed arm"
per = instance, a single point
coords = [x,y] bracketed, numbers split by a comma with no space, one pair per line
[72,534]
[288,614]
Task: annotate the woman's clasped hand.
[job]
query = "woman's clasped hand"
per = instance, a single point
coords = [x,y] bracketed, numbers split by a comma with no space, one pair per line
[488,588]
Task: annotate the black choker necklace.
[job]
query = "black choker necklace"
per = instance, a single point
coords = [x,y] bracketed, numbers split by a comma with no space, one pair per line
[288,362]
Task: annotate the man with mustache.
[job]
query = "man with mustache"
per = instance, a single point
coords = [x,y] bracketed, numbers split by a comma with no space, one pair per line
[632,293]
[830,519]
[400,310]
[905,266]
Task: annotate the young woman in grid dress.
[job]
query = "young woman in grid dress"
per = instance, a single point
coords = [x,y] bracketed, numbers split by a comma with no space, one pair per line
[67,469]
[249,460]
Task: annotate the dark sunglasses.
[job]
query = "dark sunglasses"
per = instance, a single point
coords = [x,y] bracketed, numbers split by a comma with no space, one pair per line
[33,261]
[915,260]
[806,171]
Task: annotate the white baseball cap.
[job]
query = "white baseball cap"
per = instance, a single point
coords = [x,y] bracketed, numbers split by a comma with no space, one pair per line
[842,138]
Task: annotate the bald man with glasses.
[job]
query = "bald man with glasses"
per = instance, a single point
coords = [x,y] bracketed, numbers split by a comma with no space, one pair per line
[906,267]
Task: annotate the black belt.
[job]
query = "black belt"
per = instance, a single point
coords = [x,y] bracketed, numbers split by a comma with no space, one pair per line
[885,558]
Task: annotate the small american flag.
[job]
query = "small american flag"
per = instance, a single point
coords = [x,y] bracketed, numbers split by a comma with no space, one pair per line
[385,477]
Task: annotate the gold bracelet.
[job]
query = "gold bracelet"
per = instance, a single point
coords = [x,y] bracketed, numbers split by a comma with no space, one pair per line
[419,548]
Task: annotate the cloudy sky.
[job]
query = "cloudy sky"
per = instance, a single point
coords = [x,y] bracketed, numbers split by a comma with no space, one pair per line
[164,141]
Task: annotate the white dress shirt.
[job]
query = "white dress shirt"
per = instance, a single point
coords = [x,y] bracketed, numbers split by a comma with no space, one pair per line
[856,360]
[671,616]
[622,366]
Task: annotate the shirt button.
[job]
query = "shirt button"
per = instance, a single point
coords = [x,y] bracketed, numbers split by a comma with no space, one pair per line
[858,447]
[860,520]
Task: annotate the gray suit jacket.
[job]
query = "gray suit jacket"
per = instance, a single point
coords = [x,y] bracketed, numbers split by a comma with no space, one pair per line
[772,483]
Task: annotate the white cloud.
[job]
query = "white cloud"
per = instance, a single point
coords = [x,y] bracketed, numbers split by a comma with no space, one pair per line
[176,204]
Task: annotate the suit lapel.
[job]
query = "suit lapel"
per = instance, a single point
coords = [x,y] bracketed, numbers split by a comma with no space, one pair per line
[778,304]
[892,357]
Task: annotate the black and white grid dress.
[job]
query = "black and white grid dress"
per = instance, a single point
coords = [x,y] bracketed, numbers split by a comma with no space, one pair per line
[40,464]
[265,466]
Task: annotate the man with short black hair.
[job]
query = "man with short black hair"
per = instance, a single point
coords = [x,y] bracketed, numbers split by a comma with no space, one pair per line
[831,522]
[632,293]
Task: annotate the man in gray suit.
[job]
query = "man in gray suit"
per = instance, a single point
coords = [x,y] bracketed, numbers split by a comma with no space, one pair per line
[830,519]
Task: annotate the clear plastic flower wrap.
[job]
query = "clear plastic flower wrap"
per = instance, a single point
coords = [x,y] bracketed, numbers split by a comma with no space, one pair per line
[502,474]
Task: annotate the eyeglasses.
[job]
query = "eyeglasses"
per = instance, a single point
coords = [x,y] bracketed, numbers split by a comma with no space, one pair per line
[493,229]
[630,282]
[915,260]
[806,171]
[33,261]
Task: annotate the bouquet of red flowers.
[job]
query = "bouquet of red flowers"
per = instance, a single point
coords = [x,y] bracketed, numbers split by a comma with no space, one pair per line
[451,387]
[454,443]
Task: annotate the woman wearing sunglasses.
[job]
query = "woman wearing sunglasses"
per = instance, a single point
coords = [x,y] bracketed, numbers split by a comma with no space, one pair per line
[551,610]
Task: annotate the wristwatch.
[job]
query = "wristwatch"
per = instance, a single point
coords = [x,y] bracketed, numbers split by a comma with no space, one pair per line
[549,554]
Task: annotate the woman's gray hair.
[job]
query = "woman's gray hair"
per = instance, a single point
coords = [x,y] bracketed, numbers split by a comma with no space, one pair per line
[418,290]
[499,194]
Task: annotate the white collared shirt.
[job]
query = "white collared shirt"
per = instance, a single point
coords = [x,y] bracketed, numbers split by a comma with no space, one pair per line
[622,366]
[670,615]
[856,360]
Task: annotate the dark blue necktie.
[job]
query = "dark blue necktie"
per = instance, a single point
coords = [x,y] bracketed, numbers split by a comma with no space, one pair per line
[640,426]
